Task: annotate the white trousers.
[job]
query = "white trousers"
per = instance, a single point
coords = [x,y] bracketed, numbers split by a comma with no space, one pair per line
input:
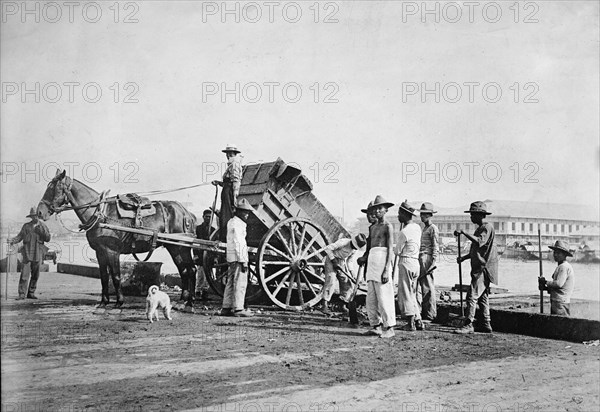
[380,303]
[408,274]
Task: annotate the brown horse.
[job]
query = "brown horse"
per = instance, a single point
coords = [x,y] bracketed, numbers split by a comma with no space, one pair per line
[91,208]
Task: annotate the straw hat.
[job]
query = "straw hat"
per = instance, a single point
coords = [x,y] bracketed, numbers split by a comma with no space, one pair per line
[32,212]
[561,246]
[380,201]
[368,207]
[478,207]
[427,208]
[405,207]
[359,241]
[231,148]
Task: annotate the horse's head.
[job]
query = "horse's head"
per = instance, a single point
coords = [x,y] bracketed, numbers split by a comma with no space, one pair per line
[55,196]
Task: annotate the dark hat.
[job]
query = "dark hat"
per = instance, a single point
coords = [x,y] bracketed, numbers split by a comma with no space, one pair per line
[380,201]
[206,211]
[231,148]
[406,208]
[562,246]
[478,207]
[368,207]
[359,241]
[244,205]
[427,208]
[32,212]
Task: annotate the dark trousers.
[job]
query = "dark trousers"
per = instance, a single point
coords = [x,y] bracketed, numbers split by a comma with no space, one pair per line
[29,270]
[227,209]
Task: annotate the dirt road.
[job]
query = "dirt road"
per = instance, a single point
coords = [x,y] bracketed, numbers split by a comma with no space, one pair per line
[60,353]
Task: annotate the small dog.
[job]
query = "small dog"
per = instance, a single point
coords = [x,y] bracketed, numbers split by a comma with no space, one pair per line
[157,299]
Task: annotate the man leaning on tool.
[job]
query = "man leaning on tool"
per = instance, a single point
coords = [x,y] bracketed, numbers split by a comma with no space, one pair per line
[428,256]
[232,181]
[484,268]
[338,254]
[563,281]
[237,257]
[33,234]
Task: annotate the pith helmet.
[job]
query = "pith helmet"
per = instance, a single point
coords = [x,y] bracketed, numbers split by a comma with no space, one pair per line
[562,246]
[478,207]
[231,148]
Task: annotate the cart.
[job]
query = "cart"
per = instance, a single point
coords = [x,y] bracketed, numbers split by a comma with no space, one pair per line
[286,235]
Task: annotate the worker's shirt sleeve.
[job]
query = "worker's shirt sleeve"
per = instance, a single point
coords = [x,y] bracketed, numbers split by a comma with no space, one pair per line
[340,249]
[402,239]
[482,235]
[559,277]
[43,232]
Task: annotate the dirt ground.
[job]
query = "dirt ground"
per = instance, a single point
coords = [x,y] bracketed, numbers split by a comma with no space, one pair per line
[60,353]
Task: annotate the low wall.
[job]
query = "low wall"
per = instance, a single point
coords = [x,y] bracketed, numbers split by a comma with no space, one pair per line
[533,324]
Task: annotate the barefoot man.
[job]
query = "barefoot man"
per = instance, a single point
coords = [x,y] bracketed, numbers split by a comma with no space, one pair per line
[380,292]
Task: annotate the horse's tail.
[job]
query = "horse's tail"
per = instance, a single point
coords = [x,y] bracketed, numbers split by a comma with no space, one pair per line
[153,289]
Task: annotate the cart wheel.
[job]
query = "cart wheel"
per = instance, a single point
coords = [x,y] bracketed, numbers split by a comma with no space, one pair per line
[290,263]
[216,268]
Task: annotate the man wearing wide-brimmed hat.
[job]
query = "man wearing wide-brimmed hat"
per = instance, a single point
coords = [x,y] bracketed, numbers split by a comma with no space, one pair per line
[372,220]
[563,281]
[380,290]
[484,268]
[237,257]
[407,249]
[33,234]
[232,181]
[428,256]
[338,254]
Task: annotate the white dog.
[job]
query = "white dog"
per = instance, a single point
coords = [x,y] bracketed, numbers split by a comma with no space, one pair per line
[157,299]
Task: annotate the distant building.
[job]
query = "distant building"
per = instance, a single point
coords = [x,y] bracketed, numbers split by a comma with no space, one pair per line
[514,221]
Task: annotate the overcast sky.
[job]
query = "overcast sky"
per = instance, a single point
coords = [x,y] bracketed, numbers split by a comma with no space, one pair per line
[362,125]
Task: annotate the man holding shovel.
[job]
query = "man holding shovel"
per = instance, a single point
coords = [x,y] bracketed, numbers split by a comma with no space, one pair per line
[562,283]
[484,268]
[335,265]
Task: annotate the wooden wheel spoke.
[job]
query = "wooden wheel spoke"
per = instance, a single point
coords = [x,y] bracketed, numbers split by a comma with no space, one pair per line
[310,243]
[301,242]
[315,253]
[273,263]
[287,247]
[299,284]
[288,297]
[315,263]
[278,252]
[314,274]
[278,288]
[274,275]
[293,239]
[310,286]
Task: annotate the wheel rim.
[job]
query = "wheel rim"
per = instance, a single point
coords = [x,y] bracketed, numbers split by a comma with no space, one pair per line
[291,261]
[216,270]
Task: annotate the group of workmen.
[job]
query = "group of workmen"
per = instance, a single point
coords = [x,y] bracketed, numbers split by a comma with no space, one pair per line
[414,259]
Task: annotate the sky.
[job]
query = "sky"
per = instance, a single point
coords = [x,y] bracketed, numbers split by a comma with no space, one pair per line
[451,104]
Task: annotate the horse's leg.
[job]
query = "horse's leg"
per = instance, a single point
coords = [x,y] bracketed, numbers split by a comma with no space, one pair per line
[102,257]
[115,271]
[182,257]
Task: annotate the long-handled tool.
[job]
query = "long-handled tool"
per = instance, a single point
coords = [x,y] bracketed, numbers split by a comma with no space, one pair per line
[352,312]
[462,309]
[541,270]
[213,208]
[8,259]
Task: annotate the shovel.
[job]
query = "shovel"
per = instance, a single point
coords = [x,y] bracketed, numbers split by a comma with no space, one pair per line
[352,312]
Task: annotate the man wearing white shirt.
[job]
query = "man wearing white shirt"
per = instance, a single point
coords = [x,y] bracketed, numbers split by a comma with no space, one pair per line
[407,250]
[563,281]
[237,257]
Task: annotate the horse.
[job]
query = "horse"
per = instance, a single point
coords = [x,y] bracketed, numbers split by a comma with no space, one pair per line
[91,208]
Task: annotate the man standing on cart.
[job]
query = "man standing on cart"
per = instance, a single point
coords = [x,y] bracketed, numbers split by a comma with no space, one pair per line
[232,180]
